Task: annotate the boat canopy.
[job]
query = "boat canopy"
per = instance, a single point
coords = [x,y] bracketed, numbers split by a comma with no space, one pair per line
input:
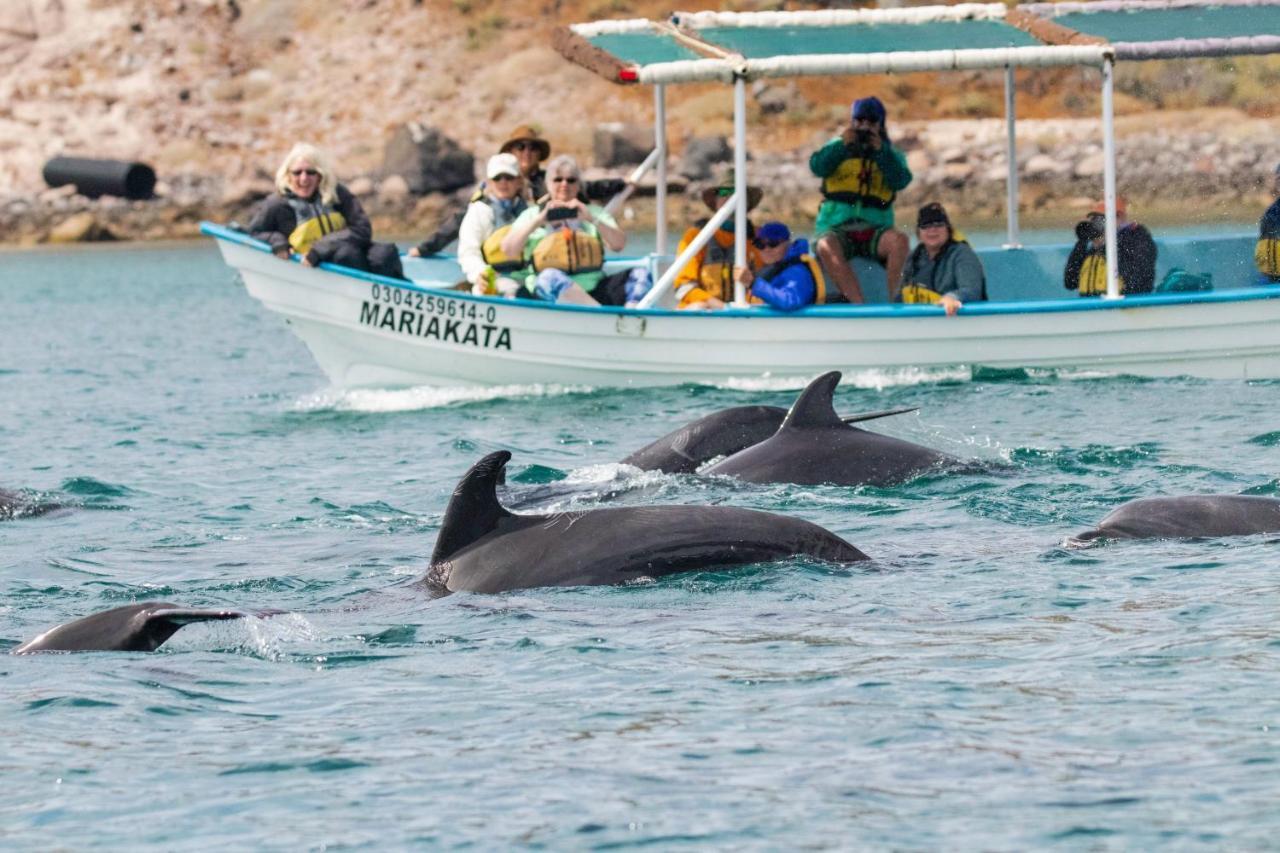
[734,47]
[724,46]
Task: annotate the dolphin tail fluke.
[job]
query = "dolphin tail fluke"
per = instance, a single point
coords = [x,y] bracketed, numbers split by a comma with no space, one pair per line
[871,416]
[815,408]
[474,509]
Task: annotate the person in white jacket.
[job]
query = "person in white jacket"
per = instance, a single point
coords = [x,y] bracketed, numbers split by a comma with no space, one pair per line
[485,224]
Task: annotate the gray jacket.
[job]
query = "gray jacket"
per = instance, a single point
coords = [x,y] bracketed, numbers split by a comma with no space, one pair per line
[956,270]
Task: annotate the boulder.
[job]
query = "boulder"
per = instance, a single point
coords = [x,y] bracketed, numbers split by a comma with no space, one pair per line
[393,189]
[701,153]
[80,228]
[619,144]
[428,160]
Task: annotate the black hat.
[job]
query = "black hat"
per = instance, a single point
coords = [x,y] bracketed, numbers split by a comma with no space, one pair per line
[932,213]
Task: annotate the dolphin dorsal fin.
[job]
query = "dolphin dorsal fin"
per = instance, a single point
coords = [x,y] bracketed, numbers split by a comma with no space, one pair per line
[473,510]
[815,408]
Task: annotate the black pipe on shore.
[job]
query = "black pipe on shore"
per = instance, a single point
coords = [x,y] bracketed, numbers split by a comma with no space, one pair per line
[93,178]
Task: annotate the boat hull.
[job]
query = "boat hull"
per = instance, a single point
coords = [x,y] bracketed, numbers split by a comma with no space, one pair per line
[367,331]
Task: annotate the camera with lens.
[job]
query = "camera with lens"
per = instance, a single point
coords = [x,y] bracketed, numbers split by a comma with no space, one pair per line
[1090,229]
[555,214]
[862,138]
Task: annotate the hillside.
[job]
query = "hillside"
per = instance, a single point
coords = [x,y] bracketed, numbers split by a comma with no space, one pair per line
[212,92]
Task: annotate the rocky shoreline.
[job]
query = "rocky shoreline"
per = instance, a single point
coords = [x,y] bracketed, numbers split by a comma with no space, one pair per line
[1210,165]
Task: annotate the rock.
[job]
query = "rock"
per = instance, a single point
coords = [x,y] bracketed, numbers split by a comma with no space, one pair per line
[619,144]
[956,174]
[774,99]
[244,192]
[919,161]
[1091,165]
[361,186]
[80,228]
[701,153]
[1043,165]
[393,190]
[427,160]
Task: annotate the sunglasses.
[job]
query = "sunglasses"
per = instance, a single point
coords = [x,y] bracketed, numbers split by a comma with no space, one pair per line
[297,173]
[504,178]
[523,146]
[769,244]
[564,180]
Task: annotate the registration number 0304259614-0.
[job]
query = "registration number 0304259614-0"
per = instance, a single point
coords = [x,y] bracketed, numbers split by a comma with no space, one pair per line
[432,304]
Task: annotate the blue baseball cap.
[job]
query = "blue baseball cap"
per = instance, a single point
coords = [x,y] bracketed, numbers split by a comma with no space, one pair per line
[869,108]
[773,232]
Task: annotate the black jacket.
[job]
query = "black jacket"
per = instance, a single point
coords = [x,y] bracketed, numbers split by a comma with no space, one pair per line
[277,216]
[1135,252]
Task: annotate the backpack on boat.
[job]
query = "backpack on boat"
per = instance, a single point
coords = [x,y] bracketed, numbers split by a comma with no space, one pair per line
[1178,280]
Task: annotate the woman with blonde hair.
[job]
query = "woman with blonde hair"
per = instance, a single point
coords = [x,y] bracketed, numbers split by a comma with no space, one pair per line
[318,219]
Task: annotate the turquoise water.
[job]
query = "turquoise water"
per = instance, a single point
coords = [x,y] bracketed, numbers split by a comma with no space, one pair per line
[977,687]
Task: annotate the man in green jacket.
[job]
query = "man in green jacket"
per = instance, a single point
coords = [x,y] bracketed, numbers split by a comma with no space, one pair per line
[861,173]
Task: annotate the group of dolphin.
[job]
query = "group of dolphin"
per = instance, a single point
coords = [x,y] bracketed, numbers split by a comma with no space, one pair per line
[482,547]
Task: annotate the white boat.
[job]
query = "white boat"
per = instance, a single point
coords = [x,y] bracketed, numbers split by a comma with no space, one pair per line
[369,331]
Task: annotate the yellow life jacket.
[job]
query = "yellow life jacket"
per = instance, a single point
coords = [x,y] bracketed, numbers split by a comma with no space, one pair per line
[491,251]
[1093,276]
[819,280]
[1267,256]
[918,294]
[568,250]
[308,231]
[859,180]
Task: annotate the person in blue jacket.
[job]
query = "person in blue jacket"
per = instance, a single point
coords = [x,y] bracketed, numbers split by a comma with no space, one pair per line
[789,278]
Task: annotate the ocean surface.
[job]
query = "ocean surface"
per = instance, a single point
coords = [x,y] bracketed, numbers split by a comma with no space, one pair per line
[978,686]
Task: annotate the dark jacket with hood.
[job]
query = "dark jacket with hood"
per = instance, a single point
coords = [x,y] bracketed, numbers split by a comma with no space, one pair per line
[278,215]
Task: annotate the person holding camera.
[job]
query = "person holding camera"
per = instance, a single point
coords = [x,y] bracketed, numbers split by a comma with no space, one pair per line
[862,172]
[1086,269]
[564,239]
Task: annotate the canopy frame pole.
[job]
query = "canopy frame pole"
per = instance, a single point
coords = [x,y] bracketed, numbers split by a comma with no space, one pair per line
[1013,239]
[660,145]
[739,184]
[664,283]
[1109,175]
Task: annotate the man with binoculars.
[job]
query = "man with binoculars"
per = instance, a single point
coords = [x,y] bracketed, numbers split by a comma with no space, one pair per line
[1135,252]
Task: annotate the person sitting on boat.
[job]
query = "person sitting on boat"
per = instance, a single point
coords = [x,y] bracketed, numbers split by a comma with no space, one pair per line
[789,278]
[487,222]
[943,269]
[706,282]
[862,172]
[319,219]
[1086,269]
[1267,252]
[565,239]
[530,150]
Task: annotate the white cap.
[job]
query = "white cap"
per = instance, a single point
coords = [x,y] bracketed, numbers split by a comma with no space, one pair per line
[503,164]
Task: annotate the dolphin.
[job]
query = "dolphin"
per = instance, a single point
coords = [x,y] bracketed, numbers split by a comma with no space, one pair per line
[814,445]
[1188,516]
[135,628]
[721,433]
[484,548]
[18,505]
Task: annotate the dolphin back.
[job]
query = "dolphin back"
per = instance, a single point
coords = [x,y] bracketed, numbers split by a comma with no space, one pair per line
[1188,516]
[134,628]
[625,544]
[721,433]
